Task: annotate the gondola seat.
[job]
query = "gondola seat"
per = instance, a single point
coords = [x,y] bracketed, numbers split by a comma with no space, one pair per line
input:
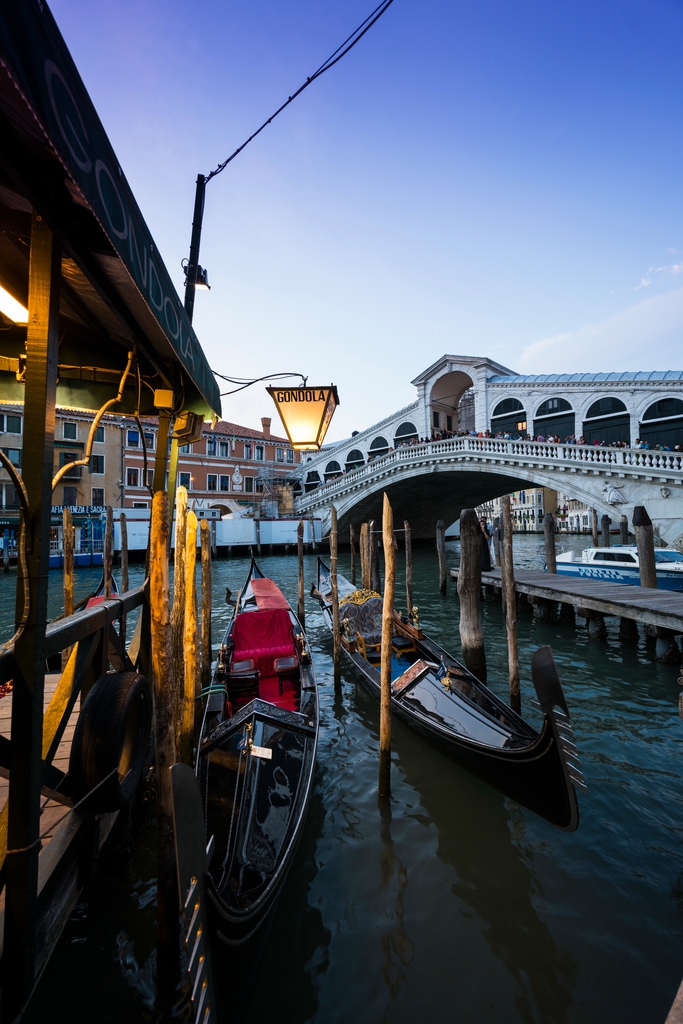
[266,639]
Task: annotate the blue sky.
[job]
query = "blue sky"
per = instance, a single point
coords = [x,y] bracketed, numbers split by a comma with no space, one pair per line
[494,178]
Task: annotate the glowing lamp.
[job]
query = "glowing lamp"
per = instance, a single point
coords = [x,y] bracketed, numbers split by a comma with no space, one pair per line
[305,413]
[12,309]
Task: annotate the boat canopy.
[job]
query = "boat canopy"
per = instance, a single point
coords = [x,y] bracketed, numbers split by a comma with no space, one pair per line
[116,296]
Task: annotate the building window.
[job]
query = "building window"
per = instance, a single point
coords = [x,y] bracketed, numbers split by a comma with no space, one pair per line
[140,504]
[211,482]
[249,484]
[70,495]
[279,455]
[149,440]
[150,478]
[247,450]
[97,496]
[225,483]
[132,438]
[12,424]
[290,455]
[449,423]
[225,449]
[185,480]
[211,446]
[260,453]
[14,455]
[435,419]
[132,477]
[185,449]
[99,434]
[69,431]
[96,465]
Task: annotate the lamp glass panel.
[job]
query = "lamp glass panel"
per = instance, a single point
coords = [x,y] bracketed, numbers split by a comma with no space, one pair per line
[305,414]
[11,308]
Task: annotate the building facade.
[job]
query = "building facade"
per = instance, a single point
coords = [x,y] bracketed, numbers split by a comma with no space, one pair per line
[230,467]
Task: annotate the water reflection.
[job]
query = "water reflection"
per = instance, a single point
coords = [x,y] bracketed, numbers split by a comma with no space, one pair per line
[398,950]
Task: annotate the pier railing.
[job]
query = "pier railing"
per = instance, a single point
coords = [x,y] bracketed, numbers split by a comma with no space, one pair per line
[635,461]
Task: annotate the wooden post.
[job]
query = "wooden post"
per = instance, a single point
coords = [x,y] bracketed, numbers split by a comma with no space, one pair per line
[496,539]
[409,566]
[352,546]
[510,604]
[623,529]
[549,534]
[373,545]
[441,552]
[642,527]
[257,524]
[336,642]
[68,547]
[594,528]
[389,545]
[107,551]
[190,642]
[25,754]
[168,942]
[314,544]
[469,592]
[605,524]
[364,559]
[125,584]
[205,531]
[178,610]
[301,607]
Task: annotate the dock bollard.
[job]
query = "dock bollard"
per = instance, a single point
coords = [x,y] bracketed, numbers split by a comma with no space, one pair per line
[469,593]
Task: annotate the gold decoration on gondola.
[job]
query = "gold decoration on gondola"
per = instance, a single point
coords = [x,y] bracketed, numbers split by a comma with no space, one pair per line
[358,597]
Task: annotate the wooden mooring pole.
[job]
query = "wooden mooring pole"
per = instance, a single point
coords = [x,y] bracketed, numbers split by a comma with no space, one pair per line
[336,642]
[469,592]
[549,537]
[605,524]
[510,605]
[389,545]
[123,526]
[496,539]
[667,650]
[623,529]
[205,532]
[373,551]
[300,607]
[190,642]
[364,558]
[178,610]
[168,939]
[68,548]
[352,547]
[594,528]
[409,566]
[107,551]
[441,552]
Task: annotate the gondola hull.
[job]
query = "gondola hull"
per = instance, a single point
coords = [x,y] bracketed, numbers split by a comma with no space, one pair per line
[531,767]
[255,768]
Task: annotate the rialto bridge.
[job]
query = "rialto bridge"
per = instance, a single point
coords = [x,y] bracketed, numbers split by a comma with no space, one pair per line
[434,480]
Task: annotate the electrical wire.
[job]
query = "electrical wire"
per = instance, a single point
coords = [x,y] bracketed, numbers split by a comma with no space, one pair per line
[340,52]
[246,382]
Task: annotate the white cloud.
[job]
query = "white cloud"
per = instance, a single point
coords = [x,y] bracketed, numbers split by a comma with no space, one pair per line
[646,336]
[644,282]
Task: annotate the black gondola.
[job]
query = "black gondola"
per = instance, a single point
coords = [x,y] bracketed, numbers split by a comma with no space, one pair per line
[255,766]
[437,696]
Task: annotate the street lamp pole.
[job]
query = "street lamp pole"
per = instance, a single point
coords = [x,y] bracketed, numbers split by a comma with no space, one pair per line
[191,279]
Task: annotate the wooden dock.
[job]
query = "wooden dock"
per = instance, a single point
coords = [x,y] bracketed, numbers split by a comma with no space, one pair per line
[663,608]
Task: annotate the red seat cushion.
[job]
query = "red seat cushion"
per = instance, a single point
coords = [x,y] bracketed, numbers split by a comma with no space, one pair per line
[263,636]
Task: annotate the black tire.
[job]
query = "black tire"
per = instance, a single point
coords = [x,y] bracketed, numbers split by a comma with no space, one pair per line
[112,732]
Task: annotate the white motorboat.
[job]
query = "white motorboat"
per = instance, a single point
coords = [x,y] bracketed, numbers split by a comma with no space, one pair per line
[619,564]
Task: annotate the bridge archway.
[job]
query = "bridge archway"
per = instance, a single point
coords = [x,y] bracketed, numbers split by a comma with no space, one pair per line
[607,420]
[379,446]
[405,431]
[555,417]
[332,470]
[444,400]
[354,459]
[662,423]
[509,417]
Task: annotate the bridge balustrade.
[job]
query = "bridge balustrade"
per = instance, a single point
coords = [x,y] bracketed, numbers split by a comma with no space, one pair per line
[506,450]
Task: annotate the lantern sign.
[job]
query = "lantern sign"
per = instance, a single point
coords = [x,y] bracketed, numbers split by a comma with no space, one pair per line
[305,413]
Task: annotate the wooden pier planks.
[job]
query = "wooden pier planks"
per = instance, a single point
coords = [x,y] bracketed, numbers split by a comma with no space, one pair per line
[655,607]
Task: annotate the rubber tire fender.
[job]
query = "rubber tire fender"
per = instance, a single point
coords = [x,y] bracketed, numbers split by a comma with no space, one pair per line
[112,732]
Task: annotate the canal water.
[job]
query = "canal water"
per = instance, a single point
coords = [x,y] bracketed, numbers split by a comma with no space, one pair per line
[453,905]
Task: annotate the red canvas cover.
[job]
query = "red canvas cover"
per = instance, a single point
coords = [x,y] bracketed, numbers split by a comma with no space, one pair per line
[268,595]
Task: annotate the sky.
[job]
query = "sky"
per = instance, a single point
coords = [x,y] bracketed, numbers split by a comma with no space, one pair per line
[499,178]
